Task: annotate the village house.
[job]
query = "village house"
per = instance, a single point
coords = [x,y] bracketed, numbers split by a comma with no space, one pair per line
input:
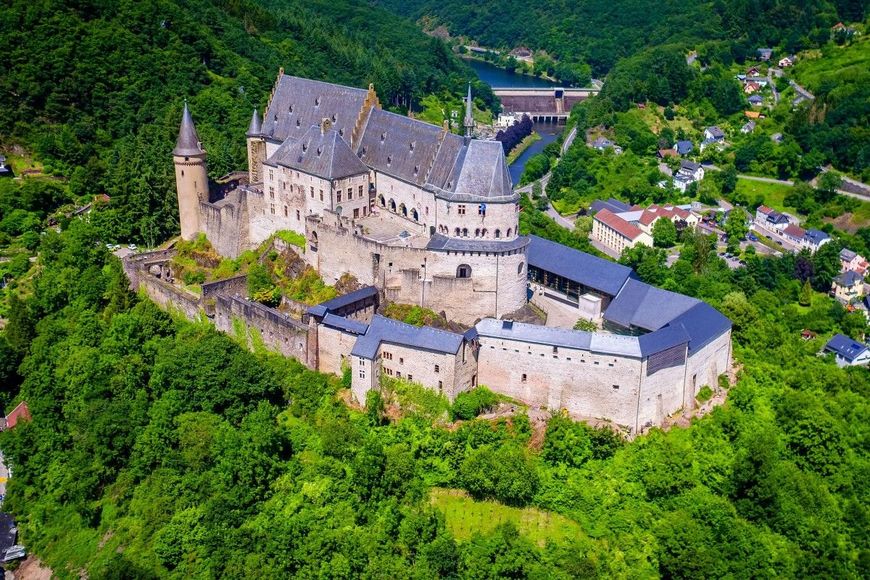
[756,100]
[770,219]
[688,173]
[853,262]
[616,233]
[714,133]
[21,412]
[751,87]
[603,143]
[847,352]
[748,128]
[848,287]
[786,61]
[764,53]
[683,147]
[809,239]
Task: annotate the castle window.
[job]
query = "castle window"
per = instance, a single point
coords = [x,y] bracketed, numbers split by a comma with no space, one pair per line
[520,267]
[460,209]
[312,192]
[483,233]
[481,209]
[317,102]
[416,169]
[362,374]
[410,378]
[389,160]
[297,215]
[509,232]
[285,211]
[321,195]
[360,191]
[271,192]
[349,193]
[615,387]
[299,124]
[338,195]
[412,145]
[456,233]
[440,386]
[477,233]
[464,232]
[497,233]
[437,369]
[271,175]
[382,201]
[463,271]
[383,136]
[524,377]
[333,118]
[272,208]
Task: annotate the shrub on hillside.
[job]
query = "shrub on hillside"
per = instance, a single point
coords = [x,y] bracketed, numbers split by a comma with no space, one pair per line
[470,404]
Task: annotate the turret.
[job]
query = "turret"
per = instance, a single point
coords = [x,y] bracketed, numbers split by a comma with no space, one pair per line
[256,148]
[468,122]
[191,177]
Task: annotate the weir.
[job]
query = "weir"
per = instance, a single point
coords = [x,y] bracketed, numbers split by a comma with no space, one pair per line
[543,105]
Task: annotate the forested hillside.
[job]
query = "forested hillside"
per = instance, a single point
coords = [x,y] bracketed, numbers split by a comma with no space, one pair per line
[96,88]
[600,32]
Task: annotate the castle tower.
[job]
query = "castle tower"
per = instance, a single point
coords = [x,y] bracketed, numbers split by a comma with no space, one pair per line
[191,179]
[468,122]
[256,149]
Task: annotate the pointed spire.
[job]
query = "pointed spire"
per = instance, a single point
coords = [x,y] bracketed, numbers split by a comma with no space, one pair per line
[255,129]
[469,117]
[188,144]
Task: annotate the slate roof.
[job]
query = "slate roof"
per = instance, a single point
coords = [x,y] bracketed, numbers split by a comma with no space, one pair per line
[340,302]
[683,147]
[716,132]
[394,332]
[346,324]
[756,99]
[484,175]
[188,144]
[441,242]
[602,143]
[611,204]
[848,278]
[590,271]
[689,165]
[816,237]
[613,221]
[848,255]
[298,103]
[399,146]
[639,305]
[320,152]
[845,347]
[255,127]
[702,323]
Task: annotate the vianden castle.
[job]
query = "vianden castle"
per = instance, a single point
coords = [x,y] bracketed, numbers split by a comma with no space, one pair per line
[421,216]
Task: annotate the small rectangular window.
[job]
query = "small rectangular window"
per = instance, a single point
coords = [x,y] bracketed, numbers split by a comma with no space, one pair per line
[460,209]
[338,196]
[401,361]
[349,193]
[410,377]
[615,387]
[285,211]
[360,190]
[321,195]
[362,374]
[524,377]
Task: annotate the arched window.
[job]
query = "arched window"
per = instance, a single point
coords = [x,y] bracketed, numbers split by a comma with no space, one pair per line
[463,271]
[497,233]
[403,210]
[483,232]
[508,233]
[456,233]
[414,215]
[382,201]
[392,205]
[477,233]
[520,267]
[464,232]
[313,241]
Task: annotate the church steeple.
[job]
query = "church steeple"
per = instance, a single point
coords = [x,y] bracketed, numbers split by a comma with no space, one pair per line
[188,144]
[468,122]
[255,129]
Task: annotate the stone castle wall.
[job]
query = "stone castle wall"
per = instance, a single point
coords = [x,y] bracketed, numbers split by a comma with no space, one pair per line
[278,331]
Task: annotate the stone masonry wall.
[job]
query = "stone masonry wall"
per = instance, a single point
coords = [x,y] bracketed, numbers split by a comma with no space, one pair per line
[278,331]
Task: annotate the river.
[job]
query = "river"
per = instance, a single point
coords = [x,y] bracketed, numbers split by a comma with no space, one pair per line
[500,78]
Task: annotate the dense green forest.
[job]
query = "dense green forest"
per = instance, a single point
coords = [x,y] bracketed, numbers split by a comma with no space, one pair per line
[95,88]
[601,32]
[159,447]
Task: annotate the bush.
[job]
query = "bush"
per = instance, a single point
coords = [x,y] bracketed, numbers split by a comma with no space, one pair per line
[705,394]
[470,404]
[503,473]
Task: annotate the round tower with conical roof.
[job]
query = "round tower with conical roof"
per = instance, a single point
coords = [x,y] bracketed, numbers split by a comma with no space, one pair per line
[256,149]
[191,177]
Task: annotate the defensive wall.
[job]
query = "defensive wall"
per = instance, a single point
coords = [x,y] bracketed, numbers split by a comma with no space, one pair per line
[668,347]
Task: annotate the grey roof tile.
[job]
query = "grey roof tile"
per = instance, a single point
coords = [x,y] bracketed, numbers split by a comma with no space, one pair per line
[386,330]
[320,152]
[188,144]
[583,268]
[639,305]
[440,242]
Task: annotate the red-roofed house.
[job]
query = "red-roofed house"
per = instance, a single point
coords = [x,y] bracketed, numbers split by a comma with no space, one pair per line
[616,233]
[20,413]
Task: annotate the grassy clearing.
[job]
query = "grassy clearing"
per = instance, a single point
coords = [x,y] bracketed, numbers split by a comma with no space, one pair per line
[773,193]
[834,65]
[466,517]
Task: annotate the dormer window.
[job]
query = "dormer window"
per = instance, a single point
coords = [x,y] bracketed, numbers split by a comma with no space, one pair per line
[333,118]
[319,151]
[317,102]
[291,108]
[341,132]
[298,122]
[389,159]
[383,137]
[416,169]
[304,147]
[412,145]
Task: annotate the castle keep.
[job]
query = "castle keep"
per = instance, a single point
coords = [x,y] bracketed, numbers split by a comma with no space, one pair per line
[421,216]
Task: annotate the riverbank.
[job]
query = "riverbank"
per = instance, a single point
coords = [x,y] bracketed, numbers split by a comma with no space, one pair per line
[522,70]
[521,147]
